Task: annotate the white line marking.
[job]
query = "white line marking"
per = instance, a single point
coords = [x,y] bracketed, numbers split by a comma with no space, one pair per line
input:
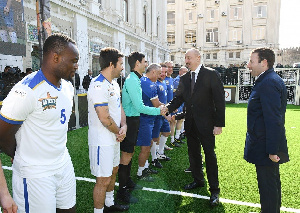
[186,194]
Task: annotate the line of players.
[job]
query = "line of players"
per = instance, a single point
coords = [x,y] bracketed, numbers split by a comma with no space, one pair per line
[144,96]
[33,130]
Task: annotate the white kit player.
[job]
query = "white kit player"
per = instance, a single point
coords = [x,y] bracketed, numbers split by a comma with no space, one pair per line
[33,130]
[107,128]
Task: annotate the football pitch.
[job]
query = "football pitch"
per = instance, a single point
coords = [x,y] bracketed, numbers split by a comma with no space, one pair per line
[239,192]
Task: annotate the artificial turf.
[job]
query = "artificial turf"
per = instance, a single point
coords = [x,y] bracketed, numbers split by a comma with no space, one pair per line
[237,177]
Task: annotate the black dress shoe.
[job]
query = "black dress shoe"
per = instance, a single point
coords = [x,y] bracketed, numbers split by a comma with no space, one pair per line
[214,199]
[193,185]
[116,208]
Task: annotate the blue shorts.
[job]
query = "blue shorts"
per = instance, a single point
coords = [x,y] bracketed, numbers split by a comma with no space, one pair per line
[157,126]
[145,131]
[165,127]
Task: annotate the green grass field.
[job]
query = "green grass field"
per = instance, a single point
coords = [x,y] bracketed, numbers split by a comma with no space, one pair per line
[237,177]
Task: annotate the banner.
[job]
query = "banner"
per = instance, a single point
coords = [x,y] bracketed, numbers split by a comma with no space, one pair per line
[227,94]
[12,28]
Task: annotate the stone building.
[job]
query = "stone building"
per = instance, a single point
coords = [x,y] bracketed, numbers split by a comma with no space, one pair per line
[129,25]
[225,31]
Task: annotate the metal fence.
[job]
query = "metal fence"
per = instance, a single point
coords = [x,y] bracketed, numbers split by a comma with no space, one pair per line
[290,77]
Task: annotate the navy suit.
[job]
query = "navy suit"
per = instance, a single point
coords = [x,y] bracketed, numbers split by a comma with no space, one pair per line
[266,135]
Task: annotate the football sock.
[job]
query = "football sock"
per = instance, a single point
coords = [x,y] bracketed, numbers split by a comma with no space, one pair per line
[109,198]
[182,127]
[123,176]
[162,142]
[98,210]
[172,139]
[146,164]
[153,151]
[177,134]
[140,171]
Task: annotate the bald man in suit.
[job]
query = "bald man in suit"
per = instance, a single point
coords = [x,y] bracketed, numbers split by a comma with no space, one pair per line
[202,92]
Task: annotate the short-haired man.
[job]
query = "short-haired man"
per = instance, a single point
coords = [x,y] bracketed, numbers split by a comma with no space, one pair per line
[133,105]
[178,123]
[202,93]
[144,140]
[33,130]
[87,80]
[170,91]
[266,144]
[107,128]
[161,130]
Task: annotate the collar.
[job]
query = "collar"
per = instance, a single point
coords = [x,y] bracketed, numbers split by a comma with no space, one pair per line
[197,70]
[261,75]
[137,73]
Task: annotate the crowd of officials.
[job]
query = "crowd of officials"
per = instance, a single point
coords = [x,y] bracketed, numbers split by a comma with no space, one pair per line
[43,175]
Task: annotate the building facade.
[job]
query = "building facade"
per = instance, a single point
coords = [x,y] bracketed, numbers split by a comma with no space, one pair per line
[225,31]
[128,25]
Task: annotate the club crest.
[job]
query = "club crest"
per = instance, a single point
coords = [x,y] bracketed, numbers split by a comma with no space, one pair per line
[48,102]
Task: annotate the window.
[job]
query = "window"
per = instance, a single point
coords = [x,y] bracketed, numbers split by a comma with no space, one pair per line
[171,1]
[172,58]
[145,19]
[207,55]
[212,14]
[190,36]
[215,55]
[171,38]
[212,35]
[171,17]
[125,10]
[235,34]
[260,11]
[238,55]
[157,26]
[236,13]
[259,33]
[190,16]
[231,55]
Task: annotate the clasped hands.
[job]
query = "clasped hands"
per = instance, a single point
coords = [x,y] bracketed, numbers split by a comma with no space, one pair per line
[163,109]
[122,133]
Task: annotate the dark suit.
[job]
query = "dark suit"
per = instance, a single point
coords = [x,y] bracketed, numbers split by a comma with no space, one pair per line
[266,135]
[205,109]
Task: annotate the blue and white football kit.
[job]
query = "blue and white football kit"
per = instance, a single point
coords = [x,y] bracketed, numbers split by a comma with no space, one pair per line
[175,84]
[104,150]
[149,92]
[43,174]
[170,87]
[160,123]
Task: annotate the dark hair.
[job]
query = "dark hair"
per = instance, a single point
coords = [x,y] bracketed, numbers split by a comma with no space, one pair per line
[28,70]
[107,55]
[133,57]
[163,65]
[56,43]
[265,53]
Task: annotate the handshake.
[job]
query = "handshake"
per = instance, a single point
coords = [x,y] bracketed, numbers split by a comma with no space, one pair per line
[163,109]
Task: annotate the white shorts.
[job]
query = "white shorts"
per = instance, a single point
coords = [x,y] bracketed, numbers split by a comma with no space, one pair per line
[45,194]
[103,159]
